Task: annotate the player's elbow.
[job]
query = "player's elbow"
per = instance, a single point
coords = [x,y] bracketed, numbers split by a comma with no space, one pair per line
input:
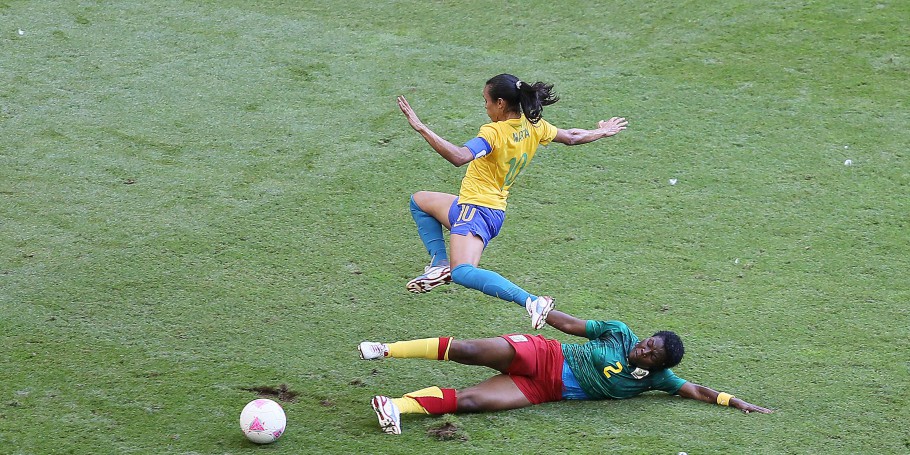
[569,137]
[460,158]
[459,162]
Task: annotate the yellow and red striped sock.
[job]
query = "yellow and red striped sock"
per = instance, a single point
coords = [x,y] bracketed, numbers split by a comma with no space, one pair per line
[425,348]
[431,400]
[408,405]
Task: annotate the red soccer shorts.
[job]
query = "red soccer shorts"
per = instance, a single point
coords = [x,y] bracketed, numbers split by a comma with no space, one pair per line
[537,367]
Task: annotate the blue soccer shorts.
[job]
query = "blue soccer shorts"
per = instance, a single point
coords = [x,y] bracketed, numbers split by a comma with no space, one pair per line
[467,219]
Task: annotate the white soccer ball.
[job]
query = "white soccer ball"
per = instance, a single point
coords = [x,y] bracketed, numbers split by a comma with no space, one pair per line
[263,421]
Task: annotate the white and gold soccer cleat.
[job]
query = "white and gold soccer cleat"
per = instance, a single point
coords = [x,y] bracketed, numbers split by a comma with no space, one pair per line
[433,276]
[538,309]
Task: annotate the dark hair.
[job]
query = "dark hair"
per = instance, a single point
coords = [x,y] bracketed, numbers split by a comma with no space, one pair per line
[673,347]
[521,96]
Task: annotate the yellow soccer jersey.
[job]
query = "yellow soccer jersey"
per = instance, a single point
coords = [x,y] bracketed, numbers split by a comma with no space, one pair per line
[512,144]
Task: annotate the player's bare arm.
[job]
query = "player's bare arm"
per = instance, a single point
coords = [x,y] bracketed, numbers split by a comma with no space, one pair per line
[454,154]
[708,395]
[605,128]
[567,323]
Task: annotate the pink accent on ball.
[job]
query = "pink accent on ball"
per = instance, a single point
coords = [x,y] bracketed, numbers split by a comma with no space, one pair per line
[256,425]
[260,403]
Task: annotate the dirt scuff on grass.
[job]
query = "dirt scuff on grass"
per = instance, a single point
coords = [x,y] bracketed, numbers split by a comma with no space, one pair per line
[447,432]
[282,392]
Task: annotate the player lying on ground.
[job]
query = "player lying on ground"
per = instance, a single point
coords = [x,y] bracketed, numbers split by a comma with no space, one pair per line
[534,370]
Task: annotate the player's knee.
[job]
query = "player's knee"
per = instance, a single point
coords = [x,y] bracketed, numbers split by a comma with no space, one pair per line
[418,199]
[461,273]
[464,351]
[413,203]
[470,401]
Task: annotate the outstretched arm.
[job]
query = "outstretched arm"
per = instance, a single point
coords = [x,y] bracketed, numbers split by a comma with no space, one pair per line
[567,323]
[605,128]
[451,152]
[708,395]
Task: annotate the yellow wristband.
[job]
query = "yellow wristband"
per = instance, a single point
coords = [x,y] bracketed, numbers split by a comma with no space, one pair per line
[723,399]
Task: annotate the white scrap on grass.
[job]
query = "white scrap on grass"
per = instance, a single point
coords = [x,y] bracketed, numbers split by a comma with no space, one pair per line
[21,32]
[736,261]
[672,181]
[848,162]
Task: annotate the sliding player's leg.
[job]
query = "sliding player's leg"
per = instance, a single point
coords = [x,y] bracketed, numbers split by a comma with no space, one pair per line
[494,353]
[495,394]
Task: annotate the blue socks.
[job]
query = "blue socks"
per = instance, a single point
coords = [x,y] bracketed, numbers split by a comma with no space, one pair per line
[486,281]
[430,232]
[490,283]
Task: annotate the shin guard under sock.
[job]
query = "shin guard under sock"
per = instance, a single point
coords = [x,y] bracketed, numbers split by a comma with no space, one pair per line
[424,348]
[490,283]
[432,400]
[430,232]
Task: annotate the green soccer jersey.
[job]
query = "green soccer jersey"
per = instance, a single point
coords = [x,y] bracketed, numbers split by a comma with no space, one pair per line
[601,366]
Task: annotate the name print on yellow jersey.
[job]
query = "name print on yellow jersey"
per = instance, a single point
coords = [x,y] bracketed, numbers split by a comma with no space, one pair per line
[520,135]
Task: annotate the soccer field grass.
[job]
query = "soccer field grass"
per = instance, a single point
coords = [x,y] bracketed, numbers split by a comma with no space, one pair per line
[199,198]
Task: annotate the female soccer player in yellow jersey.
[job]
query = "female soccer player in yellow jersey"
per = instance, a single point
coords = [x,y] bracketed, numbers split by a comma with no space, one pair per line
[495,157]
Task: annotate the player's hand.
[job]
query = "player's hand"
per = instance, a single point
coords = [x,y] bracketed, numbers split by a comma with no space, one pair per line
[409,113]
[612,126]
[747,407]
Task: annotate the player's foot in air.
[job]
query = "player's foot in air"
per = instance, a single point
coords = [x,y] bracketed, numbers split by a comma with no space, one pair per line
[371,350]
[388,414]
[538,309]
[433,276]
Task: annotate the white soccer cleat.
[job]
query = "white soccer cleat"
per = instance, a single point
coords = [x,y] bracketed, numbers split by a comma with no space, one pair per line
[538,310]
[371,350]
[433,276]
[388,414]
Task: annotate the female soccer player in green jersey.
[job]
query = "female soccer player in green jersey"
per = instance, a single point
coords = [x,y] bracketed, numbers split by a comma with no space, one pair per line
[495,157]
[614,363]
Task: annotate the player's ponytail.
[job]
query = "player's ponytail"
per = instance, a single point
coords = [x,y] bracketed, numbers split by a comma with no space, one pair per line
[533,97]
[521,96]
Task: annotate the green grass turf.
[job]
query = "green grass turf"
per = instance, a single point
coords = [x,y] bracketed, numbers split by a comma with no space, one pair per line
[202,197]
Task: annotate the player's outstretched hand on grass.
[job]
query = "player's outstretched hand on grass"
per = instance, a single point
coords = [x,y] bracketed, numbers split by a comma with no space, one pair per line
[747,407]
[612,126]
[709,395]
